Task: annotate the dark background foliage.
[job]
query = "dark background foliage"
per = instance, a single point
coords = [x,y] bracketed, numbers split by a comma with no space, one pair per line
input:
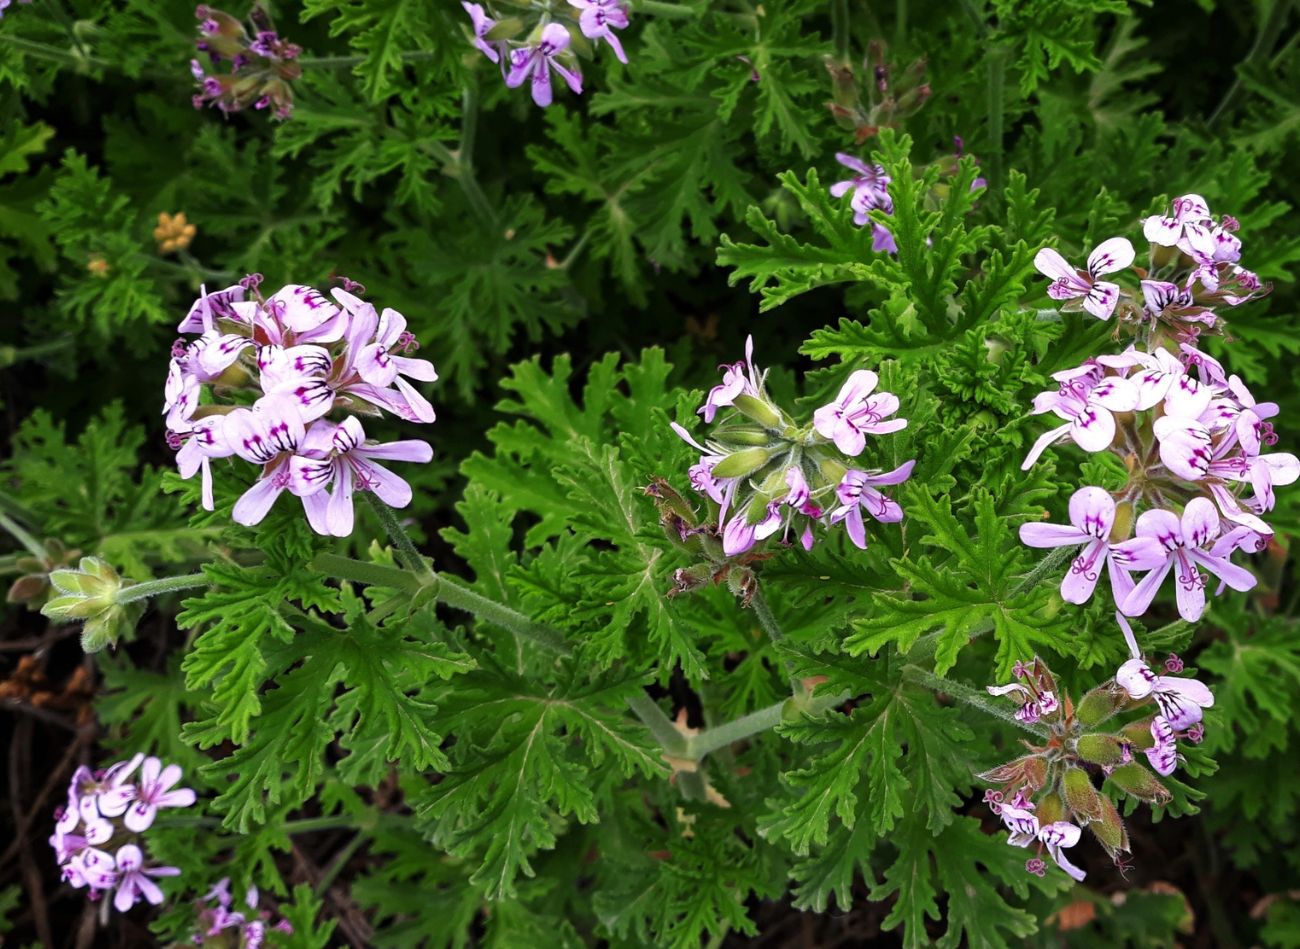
[504,233]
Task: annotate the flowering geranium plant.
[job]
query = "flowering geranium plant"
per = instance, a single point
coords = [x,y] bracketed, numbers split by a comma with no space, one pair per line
[860,504]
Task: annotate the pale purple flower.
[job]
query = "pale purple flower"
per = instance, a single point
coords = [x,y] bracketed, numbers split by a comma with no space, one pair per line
[1058,836]
[1034,702]
[338,456]
[739,378]
[1085,400]
[739,535]
[869,186]
[857,412]
[1163,379]
[1099,296]
[598,20]
[797,500]
[482,24]
[251,926]
[269,435]
[1092,515]
[1165,542]
[534,64]
[1168,230]
[857,491]
[134,880]
[1023,830]
[1168,301]
[138,802]
[1208,368]
[197,445]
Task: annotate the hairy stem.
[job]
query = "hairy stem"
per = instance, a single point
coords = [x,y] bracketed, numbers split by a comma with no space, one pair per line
[660,725]
[406,550]
[142,591]
[758,603]
[454,594]
[671,11]
[371,574]
[967,696]
[20,534]
[755,723]
[840,31]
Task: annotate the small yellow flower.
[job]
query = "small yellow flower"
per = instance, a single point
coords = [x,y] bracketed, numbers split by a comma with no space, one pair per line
[173,232]
[98,266]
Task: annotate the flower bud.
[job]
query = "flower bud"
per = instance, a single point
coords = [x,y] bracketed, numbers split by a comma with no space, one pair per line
[1097,706]
[1099,749]
[741,464]
[1138,734]
[1109,828]
[90,593]
[689,579]
[1122,529]
[1136,780]
[760,411]
[506,29]
[1029,771]
[1081,796]
[744,436]
[1050,809]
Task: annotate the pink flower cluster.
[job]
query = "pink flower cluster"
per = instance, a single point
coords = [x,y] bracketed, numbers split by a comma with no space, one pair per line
[547,47]
[98,834]
[245,928]
[302,357]
[1193,438]
[262,65]
[768,475]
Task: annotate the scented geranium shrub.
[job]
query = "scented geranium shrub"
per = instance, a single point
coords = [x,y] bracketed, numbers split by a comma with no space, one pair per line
[643,473]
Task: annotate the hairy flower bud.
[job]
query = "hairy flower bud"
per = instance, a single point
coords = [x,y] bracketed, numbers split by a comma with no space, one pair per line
[1029,771]
[1138,734]
[1081,796]
[89,593]
[1100,749]
[1109,828]
[760,411]
[742,464]
[1136,780]
[1098,705]
[1051,809]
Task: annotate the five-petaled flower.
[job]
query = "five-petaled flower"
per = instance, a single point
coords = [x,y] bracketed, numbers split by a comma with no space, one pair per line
[1086,400]
[534,64]
[858,411]
[1099,296]
[599,19]
[1092,516]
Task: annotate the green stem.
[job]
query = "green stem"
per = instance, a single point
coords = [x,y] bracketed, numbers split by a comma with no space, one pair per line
[340,62]
[997,73]
[840,31]
[338,863]
[52,53]
[142,591]
[309,825]
[1265,37]
[13,355]
[406,550]
[758,603]
[672,11]
[1048,564]
[660,725]
[755,723]
[24,538]
[370,574]
[451,592]
[967,696]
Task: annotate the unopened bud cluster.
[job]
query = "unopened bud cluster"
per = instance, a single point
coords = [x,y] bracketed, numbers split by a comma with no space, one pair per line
[878,95]
[262,63]
[90,594]
[1193,438]
[772,477]
[1049,796]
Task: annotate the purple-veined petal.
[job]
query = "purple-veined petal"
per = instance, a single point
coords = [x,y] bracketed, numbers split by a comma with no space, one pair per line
[1052,265]
[1041,445]
[1093,429]
[1051,535]
[1081,579]
[1189,587]
[1110,256]
[1092,510]
[1137,602]
[254,503]
[1238,578]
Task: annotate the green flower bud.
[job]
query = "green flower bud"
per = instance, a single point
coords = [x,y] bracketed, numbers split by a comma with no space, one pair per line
[741,464]
[1050,809]
[506,29]
[1099,749]
[1081,796]
[1097,706]
[743,436]
[1109,828]
[760,411]
[1136,780]
[1138,734]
